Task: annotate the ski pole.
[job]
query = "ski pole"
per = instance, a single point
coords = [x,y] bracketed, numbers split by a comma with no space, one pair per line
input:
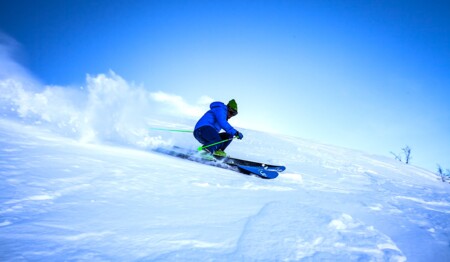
[171,130]
[213,144]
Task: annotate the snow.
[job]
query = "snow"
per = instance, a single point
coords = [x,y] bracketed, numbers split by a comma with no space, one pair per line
[80,181]
[63,199]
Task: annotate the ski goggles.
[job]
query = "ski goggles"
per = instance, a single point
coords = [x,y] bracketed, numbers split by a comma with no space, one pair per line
[232,112]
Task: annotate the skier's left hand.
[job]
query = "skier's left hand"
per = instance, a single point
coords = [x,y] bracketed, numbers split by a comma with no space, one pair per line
[239,135]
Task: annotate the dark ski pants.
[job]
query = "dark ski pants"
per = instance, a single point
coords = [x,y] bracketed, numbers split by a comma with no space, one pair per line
[207,135]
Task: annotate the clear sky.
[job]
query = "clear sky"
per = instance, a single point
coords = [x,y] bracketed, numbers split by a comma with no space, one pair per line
[369,75]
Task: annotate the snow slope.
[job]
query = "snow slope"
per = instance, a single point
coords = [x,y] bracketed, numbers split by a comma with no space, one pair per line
[65,200]
[79,181]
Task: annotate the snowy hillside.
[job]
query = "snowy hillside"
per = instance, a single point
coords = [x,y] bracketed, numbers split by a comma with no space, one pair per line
[79,181]
[64,200]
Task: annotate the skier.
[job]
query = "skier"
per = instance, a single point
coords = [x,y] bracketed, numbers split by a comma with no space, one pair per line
[208,127]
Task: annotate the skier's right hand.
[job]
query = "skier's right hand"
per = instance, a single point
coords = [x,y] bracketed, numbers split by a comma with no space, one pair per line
[239,135]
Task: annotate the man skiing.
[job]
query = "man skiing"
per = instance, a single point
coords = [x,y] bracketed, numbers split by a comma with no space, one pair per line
[208,127]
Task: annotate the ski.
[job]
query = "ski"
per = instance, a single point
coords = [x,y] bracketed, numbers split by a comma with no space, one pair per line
[259,171]
[236,161]
[238,165]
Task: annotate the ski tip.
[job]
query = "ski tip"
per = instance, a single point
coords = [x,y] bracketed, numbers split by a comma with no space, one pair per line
[280,168]
[270,175]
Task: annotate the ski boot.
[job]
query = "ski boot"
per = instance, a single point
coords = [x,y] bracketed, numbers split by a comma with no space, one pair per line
[220,153]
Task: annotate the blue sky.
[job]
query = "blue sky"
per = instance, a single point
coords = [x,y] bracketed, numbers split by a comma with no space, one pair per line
[369,75]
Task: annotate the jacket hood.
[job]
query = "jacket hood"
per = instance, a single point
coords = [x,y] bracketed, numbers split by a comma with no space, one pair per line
[216,105]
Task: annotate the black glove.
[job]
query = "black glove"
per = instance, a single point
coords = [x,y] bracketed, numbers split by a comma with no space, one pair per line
[239,135]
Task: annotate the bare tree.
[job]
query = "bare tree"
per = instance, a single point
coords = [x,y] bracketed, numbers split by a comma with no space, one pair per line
[441,173]
[445,176]
[397,157]
[407,152]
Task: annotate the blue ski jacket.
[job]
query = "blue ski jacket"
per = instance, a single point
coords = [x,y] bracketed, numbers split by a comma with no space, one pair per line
[217,118]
